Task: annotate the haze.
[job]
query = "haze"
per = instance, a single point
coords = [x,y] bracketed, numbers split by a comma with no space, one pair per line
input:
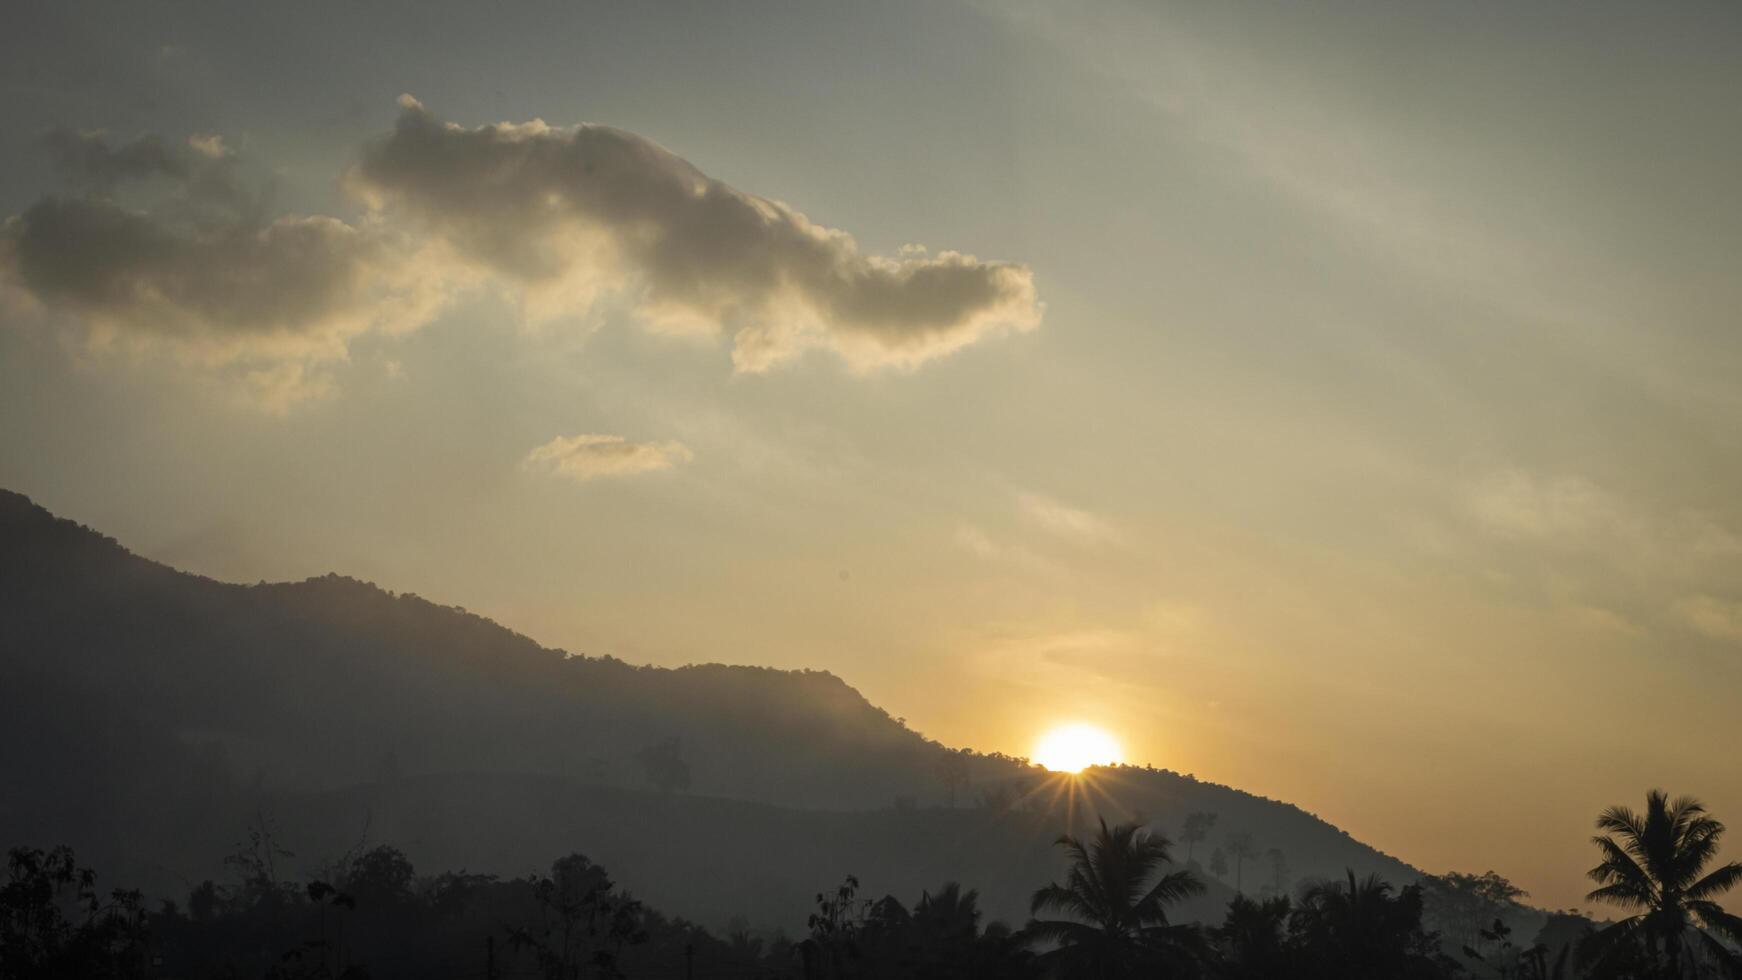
[1341,407]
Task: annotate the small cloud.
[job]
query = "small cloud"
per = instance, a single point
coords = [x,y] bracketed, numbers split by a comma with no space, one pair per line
[1709,539]
[978,543]
[1066,521]
[209,145]
[975,541]
[1720,619]
[1517,504]
[1598,619]
[590,455]
[280,386]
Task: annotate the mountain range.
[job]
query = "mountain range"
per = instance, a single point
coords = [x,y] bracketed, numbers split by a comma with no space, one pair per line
[151,718]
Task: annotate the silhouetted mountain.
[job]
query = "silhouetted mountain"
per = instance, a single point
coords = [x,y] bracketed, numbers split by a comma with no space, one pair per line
[146,711]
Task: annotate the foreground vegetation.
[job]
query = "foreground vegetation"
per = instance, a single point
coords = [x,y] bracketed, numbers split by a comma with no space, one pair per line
[371,915]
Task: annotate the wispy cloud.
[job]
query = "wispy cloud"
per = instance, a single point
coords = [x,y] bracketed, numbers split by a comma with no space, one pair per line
[589,456]
[975,541]
[1065,521]
[1720,619]
[1517,503]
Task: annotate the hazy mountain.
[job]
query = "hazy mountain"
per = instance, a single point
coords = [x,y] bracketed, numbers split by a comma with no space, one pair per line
[148,715]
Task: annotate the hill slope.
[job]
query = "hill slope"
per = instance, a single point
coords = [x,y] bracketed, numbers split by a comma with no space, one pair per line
[146,711]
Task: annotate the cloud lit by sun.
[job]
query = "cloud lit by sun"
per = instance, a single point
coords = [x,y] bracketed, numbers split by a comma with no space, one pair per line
[1075,747]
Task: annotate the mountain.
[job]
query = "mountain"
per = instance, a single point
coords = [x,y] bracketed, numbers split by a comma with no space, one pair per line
[149,717]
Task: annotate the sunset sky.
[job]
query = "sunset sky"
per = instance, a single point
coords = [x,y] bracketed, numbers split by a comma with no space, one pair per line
[1341,406]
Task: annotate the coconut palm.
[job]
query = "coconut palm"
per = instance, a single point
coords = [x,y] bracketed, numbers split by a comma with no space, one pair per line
[1253,938]
[1241,849]
[1655,865]
[1116,908]
[950,917]
[1358,929]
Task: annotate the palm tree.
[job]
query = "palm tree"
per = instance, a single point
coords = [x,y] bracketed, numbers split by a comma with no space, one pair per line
[1196,830]
[1358,930]
[1655,865]
[1117,908]
[1252,938]
[952,916]
[1241,848]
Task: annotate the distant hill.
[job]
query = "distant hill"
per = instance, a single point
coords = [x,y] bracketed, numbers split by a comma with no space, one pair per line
[146,715]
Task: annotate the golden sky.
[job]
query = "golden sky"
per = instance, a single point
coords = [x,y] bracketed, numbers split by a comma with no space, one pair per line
[1338,405]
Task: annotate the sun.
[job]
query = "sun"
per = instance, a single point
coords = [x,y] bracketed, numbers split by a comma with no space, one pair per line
[1075,747]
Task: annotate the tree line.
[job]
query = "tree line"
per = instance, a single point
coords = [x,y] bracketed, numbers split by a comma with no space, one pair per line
[370,915]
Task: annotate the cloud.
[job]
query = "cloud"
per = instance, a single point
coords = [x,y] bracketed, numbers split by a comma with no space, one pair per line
[975,541]
[1719,619]
[588,455]
[156,245]
[1570,513]
[1066,521]
[1518,504]
[86,159]
[971,539]
[573,213]
[198,269]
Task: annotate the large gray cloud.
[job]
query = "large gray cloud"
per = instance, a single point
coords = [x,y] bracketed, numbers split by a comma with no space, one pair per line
[580,209]
[87,159]
[160,244]
[155,243]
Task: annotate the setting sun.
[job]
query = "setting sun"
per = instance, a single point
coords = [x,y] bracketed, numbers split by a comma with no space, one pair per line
[1073,748]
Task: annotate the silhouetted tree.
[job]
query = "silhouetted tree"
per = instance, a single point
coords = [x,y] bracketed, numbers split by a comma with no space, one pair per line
[1358,930]
[323,954]
[1001,797]
[1278,870]
[1219,863]
[256,864]
[1654,865]
[1462,905]
[573,924]
[835,927]
[380,876]
[583,922]
[54,923]
[939,939]
[1493,953]
[1550,956]
[1196,830]
[745,943]
[945,931]
[1252,939]
[663,762]
[952,771]
[1241,848]
[1116,904]
[1540,963]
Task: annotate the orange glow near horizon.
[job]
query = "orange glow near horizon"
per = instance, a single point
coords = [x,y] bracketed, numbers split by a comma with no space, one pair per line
[1075,747]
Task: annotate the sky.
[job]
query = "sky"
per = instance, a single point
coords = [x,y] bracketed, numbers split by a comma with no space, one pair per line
[1336,403]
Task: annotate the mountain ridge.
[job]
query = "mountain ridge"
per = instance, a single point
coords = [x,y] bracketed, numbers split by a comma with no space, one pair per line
[210,694]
